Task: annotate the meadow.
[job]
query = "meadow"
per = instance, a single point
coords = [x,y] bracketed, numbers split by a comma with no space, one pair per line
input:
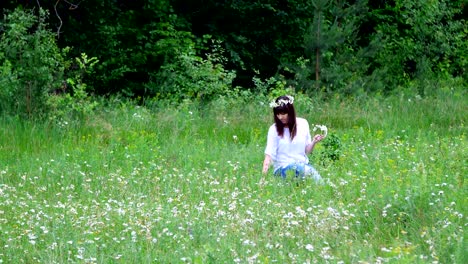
[183,184]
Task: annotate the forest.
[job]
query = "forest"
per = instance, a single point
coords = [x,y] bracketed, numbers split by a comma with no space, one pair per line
[199,49]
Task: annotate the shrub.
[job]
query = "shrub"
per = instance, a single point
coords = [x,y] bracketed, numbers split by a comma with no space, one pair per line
[189,76]
[74,103]
[32,65]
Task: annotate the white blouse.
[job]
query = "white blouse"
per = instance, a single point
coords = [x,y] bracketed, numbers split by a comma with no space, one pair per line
[283,151]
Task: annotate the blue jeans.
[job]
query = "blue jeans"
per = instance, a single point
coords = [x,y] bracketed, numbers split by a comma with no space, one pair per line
[299,170]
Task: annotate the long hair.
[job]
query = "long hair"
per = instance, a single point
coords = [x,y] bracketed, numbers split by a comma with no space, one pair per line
[285,108]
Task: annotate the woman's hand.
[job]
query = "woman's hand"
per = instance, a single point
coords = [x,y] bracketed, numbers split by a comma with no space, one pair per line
[317,138]
[266,164]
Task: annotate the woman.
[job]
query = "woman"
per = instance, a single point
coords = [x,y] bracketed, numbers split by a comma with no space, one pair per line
[289,142]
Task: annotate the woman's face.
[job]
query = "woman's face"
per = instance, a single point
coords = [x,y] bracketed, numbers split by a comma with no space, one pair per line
[283,117]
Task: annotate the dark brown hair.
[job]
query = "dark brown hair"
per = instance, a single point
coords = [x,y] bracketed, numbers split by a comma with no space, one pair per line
[285,108]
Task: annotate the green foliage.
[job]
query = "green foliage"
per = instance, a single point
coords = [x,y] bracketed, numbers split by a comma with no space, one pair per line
[273,86]
[189,76]
[74,104]
[8,84]
[257,35]
[319,46]
[32,65]
[331,59]
[130,39]
[332,149]
[302,70]
[419,40]
[358,46]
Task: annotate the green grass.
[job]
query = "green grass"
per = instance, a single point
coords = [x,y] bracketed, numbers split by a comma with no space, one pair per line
[184,184]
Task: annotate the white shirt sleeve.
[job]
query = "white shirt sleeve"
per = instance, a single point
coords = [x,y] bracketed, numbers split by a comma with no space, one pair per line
[272,142]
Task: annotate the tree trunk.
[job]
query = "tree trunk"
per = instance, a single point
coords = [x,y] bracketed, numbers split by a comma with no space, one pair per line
[317,55]
[317,69]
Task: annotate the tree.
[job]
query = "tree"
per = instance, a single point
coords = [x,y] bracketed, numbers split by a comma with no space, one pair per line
[31,63]
[419,39]
[334,26]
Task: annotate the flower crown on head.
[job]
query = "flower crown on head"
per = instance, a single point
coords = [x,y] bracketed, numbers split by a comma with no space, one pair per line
[282,102]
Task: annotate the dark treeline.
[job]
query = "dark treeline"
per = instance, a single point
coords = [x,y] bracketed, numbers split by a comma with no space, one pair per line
[150,47]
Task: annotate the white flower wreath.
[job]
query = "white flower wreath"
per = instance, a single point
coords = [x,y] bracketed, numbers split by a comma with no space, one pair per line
[282,102]
[322,128]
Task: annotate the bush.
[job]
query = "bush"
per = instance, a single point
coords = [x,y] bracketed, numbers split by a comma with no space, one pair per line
[189,76]
[32,65]
[75,103]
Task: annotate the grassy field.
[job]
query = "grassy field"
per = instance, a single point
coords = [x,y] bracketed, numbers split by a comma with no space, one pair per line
[184,185]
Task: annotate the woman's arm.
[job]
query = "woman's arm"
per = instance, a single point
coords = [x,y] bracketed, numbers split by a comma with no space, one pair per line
[317,138]
[266,163]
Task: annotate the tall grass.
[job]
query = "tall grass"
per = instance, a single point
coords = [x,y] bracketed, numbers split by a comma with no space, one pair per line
[184,184]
